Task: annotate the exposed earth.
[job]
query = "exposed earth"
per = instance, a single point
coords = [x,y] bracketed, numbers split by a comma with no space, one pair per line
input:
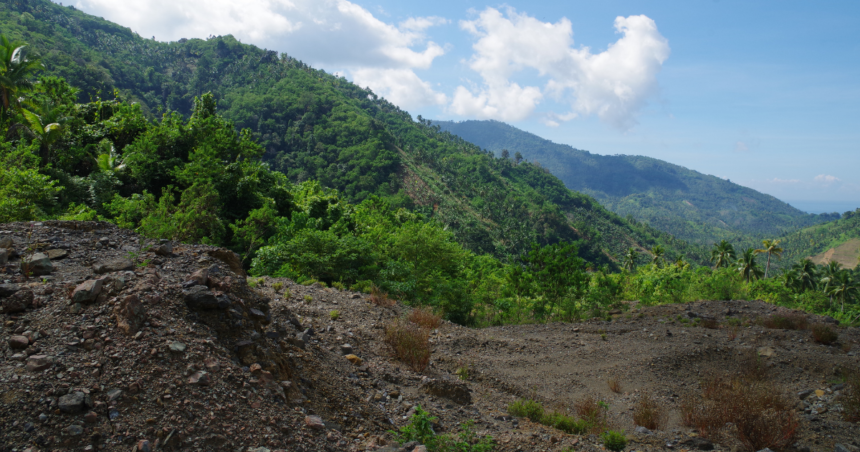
[119,343]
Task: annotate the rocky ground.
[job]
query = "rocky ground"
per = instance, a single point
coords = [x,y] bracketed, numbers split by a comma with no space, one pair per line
[116,343]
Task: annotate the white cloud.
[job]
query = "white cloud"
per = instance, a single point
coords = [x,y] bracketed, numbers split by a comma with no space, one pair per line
[400,86]
[826,179]
[740,146]
[777,180]
[326,33]
[613,84]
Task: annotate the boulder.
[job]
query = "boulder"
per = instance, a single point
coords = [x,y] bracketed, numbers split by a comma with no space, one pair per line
[87,291]
[165,248]
[115,265]
[697,443]
[18,302]
[37,264]
[200,297]
[19,342]
[75,402]
[130,315]
[454,391]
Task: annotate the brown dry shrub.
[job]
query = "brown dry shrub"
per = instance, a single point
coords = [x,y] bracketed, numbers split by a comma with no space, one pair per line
[711,324]
[850,396]
[409,342]
[380,298]
[823,333]
[425,318]
[614,384]
[790,321]
[753,414]
[593,412]
[649,413]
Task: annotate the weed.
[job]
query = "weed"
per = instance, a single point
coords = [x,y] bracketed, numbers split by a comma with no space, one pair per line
[752,413]
[751,366]
[711,324]
[649,413]
[425,318]
[593,412]
[733,321]
[420,429]
[334,315]
[308,282]
[526,408]
[338,285]
[380,298]
[684,320]
[463,372]
[823,333]
[277,286]
[791,321]
[850,396]
[308,298]
[565,423]
[732,332]
[252,282]
[614,384]
[846,347]
[287,293]
[409,342]
[603,336]
[614,441]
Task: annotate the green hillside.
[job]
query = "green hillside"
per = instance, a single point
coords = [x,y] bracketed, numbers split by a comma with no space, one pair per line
[315,126]
[815,241]
[692,206]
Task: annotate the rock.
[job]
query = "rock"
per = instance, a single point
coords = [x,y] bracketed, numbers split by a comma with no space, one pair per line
[56,255]
[8,289]
[4,256]
[6,242]
[19,342]
[314,422]
[200,297]
[144,446]
[697,443]
[75,430]
[87,291]
[163,249]
[766,449]
[212,364]
[805,393]
[766,351]
[819,393]
[91,418]
[346,349]
[296,342]
[114,394]
[20,301]
[230,258]
[841,448]
[38,363]
[37,264]
[421,448]
[201,277]
[177,347]
[201,378]
[455,391]
[76,308]
[75,402]
[354,359]
[256,313]
[258,449]
[643,431]
[116,265]
[304,336]
[130,315]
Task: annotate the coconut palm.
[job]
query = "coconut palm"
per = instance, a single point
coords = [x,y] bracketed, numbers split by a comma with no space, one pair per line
[681,263]
[17,67]
[657,252]
[828,275]
[45,122]
[748,266]
[807,275]
[771,247]
[722,254]
[843,286]
[630,258]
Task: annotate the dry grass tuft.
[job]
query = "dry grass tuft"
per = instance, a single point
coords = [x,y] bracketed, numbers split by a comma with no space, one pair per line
[790,321]
[732,332]
[711,324]
[593,412]
[409,342]
[614,384]
[823,333]
[751,366]
[425,318]
[753,414]
[649,413]
[380,298]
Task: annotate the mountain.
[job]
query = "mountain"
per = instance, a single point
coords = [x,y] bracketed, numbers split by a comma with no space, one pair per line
[838,241]
[692,206]
[316,126]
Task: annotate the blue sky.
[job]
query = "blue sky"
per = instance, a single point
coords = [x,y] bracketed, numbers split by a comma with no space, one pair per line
[764,93]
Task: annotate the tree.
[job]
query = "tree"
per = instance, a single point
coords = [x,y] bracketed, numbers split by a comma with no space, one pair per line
[505,154]
[518,157]
[828,275]
[45,123]
[771,247]
[748,266]
[17,67]
[806,275]
[630,258]
[657,252]
[843,286]
[722,254]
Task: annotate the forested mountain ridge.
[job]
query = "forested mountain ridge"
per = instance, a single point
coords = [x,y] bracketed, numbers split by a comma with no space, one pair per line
[695,207]
[315,126]
[817,240]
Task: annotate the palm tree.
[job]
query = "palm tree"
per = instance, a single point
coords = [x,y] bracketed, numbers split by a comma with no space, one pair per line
[681,263]
[771,247]
[630,258]
[16,68]
[789,279]
[748,266]
[806,275]
[45,123]
[657,252]
[828,275]
[722,254]
[842,286]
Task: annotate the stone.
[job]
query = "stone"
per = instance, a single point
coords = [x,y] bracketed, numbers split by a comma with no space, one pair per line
[130,315]
[177,347]
[7,290]
[201,378]
[346,349]
[212,364]
[37,264]
[4,256]
[256,313]
[767,352]
[87,291]
[76,308]
[454,391]
[20,301]
[75,430]
[258,449]
[697,443]
[296,342]
[354,359]
[201,277]
[115,265]
[19,342]
[423,448]
[114,394]
[230,258]
[200,297]
[6,242]
[819,392]
[38,363]
[840,448]
[805,393]
[56,255]
[766,449]
[163,249]
[643,431]
[314,422]
[91,418]
[144,446]
[75,402]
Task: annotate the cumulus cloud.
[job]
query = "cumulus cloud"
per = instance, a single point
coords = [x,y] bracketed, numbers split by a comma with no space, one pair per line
[400,86]
[327,33]
[826,179]
[740,146]
[614,84]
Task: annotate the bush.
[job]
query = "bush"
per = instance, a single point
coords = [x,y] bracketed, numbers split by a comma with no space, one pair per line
[409,343]
[380,298]
[420,429]
[614,441]
[425,318]
[593,413]
[823,333]
[334,315]
[277,286]
[649,413]
[528,409]
[338,285]
[752,413]
[308,298]
[565,423]
[792,321]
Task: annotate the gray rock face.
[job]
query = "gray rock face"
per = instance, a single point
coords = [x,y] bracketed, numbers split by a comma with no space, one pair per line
[116,265]
[200,297]
[37,265]
[75,402]
[453,391]
[87,291]
[18,302]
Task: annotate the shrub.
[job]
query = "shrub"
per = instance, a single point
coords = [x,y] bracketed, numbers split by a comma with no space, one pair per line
[850,396]
[751,366]
[409,343]
[752,413]
[711,324]
[614,385]
[649,413]
[277,286]
[791,321]
[308,298]
[527,408]
[823,333]
[593,412]
[565,423]
[338,285]
[308,282]
[425,318]
[420,429]
[287,293]
[463,373]
[614,441]
[334,315]
[380,298]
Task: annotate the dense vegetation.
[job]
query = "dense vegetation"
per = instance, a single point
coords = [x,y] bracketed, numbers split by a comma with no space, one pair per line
[687,204]
[817,239]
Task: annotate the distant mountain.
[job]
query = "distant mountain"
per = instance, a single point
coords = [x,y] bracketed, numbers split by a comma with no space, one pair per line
[692,206]
[837,240]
